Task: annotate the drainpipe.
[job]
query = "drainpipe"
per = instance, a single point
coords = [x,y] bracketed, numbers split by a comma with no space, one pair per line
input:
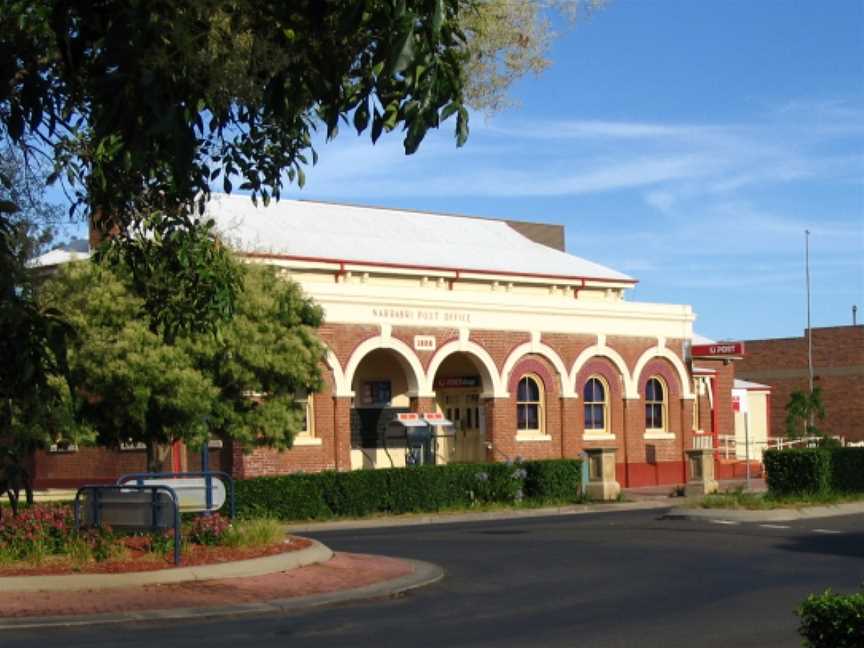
[715,433]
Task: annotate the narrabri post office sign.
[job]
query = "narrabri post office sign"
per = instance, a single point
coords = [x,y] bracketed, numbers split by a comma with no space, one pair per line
[420,315]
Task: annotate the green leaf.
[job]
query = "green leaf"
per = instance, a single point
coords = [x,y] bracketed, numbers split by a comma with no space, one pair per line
[462,127]
[437,16]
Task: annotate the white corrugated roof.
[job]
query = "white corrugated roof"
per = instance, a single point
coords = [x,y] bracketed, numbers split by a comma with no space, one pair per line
[701,339]
[56,257]
[392,237]
[746,384]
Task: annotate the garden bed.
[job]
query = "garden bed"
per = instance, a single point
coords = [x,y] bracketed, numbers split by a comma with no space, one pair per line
[42,540]
[140,561]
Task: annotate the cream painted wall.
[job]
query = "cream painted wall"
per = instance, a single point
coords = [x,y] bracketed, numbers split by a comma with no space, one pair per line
[383,365]
[757,402]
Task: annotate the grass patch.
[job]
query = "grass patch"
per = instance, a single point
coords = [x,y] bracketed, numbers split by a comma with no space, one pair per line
[479,507]
[740,499]
[255,532]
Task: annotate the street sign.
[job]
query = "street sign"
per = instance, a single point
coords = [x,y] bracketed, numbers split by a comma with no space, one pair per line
[435,418]
[718,350]
[191,491]
[739,400]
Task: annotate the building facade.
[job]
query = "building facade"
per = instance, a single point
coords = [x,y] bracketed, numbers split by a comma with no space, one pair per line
[838,368]
[519,349]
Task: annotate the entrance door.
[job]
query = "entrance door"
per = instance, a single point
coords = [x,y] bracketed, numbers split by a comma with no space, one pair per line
[464,409]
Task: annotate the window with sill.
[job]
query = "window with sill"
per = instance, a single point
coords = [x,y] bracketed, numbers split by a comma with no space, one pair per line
[655,405]
[596,406]
[529,406]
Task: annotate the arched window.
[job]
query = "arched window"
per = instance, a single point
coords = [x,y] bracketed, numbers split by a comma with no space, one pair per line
[529,405]
[655,404]
[596,406]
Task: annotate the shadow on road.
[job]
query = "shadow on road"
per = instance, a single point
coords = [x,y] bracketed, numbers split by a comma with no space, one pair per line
[846,544]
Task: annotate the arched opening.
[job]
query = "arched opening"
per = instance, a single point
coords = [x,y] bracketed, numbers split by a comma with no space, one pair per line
[383,384]
[460,382]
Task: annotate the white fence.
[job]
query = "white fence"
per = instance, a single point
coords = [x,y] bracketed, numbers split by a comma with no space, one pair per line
[729,445]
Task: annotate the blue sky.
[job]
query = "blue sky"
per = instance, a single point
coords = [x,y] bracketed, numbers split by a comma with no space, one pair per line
[686,143]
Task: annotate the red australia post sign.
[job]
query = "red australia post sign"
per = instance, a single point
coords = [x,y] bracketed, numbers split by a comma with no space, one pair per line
[718,350]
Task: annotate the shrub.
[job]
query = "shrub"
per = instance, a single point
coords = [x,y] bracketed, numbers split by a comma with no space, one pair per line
[847,470]
[405,490]
[557,479]
[36,532]
[831,620]
[804,471]
[209,529]
[814,471]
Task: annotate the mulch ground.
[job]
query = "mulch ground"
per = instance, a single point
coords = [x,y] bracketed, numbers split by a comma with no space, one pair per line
[137,561]
[343,571]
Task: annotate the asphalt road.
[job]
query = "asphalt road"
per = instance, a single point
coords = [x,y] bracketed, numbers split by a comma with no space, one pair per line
[618,579]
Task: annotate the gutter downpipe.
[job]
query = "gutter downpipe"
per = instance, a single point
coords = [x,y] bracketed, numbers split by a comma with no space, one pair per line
[715,433]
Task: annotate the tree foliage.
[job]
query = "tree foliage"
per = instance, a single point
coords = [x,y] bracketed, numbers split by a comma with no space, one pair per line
[33,389]
[132,386]
[32,217]
[507,40]
[144,106]
[802,410]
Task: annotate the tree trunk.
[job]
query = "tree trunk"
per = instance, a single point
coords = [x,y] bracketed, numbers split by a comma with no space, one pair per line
[158,455]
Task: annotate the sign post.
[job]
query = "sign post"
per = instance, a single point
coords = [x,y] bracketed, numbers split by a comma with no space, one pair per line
[739,404]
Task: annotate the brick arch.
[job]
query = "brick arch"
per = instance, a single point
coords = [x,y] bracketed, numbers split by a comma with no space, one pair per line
[664,369]
[529,365]
[536,348]
[601,366]
[672,362]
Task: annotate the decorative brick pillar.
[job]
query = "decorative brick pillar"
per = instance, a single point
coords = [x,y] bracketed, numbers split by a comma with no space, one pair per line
[686,431]
[500,442]
[342,432]
[633,442]
[423,404]
[571,433]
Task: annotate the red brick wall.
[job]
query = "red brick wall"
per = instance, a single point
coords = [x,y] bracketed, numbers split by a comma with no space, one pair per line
[649,461]
[838,361]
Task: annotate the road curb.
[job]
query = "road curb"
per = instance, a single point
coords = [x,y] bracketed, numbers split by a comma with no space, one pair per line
[485,516]
[424,574]
[317,552]
[775,515]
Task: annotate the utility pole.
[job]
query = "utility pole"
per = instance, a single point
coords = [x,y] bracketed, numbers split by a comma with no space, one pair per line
[809,328]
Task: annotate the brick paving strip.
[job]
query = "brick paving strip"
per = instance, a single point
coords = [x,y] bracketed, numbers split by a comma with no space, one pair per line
[343,573]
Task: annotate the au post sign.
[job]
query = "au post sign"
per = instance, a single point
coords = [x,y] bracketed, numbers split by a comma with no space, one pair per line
[718,350]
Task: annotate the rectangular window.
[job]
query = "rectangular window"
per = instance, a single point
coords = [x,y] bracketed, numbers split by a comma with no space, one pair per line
[654,416]
[528,417]
[594,417]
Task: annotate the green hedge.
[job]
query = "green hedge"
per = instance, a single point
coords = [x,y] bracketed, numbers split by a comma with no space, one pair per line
[847,470]
[797,471]
[406,490]
[831,620]
[814,470]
